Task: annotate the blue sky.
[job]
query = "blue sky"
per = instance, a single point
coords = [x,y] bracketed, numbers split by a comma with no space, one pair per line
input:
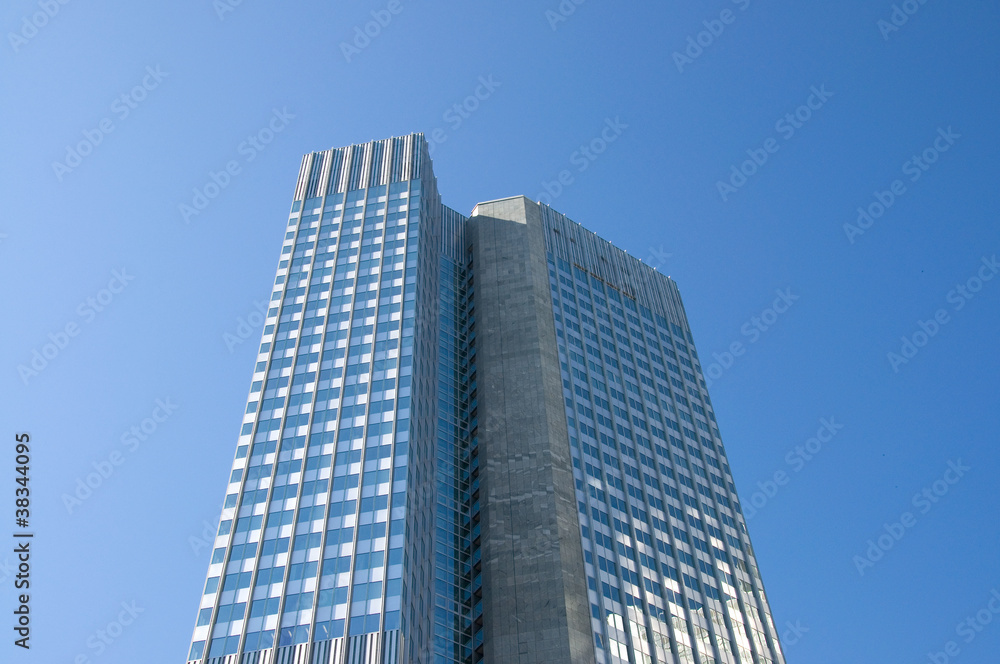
[199,82]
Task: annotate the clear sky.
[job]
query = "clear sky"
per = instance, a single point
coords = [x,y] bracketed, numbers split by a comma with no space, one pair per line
[114,114]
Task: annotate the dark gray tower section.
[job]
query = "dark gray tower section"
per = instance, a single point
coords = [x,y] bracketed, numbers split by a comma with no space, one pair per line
[535,605]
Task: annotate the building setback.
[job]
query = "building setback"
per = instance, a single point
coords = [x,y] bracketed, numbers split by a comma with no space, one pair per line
[473,439]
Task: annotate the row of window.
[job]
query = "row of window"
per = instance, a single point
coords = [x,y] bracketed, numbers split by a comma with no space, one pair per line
[616,351]
[378,251]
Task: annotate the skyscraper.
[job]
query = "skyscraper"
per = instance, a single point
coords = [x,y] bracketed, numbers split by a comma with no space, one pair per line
[482,438]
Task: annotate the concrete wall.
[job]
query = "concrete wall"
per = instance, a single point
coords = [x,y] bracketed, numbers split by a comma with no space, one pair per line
[535,603]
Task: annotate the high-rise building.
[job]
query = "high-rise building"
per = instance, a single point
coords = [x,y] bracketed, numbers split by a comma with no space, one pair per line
[482,438]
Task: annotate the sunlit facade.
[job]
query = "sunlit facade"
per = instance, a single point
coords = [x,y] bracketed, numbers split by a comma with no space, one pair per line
[468,439]
[670,570]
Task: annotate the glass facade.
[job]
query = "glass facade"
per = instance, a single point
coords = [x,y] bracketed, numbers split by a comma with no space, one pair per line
[322,511]
[454,560]
[670,569]
[351,525]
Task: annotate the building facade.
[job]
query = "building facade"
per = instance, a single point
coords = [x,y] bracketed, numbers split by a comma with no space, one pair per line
[473,439]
